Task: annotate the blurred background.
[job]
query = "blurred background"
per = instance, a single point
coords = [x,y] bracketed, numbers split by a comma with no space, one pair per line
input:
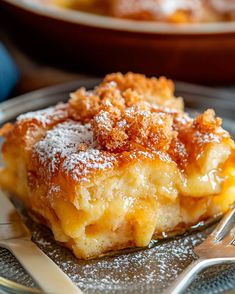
[46,42]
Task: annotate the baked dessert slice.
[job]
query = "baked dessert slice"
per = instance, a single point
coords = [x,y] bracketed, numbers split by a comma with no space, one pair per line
[118,165]
[173,11]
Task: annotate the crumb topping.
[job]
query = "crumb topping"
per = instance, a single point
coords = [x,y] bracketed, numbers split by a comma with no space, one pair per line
[136,127]
[128,111]
[119,91]
[131,112]
[126,117]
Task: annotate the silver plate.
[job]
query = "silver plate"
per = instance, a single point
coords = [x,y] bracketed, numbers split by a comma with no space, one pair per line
[144,271]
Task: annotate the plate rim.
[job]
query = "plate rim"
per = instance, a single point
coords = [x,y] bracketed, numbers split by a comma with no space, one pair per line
[111,23]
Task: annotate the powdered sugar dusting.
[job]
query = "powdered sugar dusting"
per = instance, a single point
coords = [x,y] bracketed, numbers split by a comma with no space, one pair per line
[71,147]
[202,139]
[46,116]
[80,164]
[54,189]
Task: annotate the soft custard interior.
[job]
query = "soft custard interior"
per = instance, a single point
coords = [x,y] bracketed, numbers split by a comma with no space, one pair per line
[128,205]
[106,215]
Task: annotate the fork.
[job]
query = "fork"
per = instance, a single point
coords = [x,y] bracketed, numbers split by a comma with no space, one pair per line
[16,237]
[218,248]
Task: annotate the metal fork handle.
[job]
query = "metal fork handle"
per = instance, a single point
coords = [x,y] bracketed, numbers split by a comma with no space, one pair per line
[187,276]
[44,271]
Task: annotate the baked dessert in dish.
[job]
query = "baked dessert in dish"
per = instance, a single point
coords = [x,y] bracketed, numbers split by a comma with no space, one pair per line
[119,164]
[176,11]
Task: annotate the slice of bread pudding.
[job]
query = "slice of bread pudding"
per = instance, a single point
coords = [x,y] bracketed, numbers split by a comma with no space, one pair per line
[119,164]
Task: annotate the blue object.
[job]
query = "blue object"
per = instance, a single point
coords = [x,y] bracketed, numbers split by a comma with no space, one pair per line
[9,73]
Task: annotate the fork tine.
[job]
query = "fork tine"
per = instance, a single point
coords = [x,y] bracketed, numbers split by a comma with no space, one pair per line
[230,237]
[225,225]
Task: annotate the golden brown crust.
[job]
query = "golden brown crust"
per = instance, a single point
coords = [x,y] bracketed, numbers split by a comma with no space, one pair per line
[7,128]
